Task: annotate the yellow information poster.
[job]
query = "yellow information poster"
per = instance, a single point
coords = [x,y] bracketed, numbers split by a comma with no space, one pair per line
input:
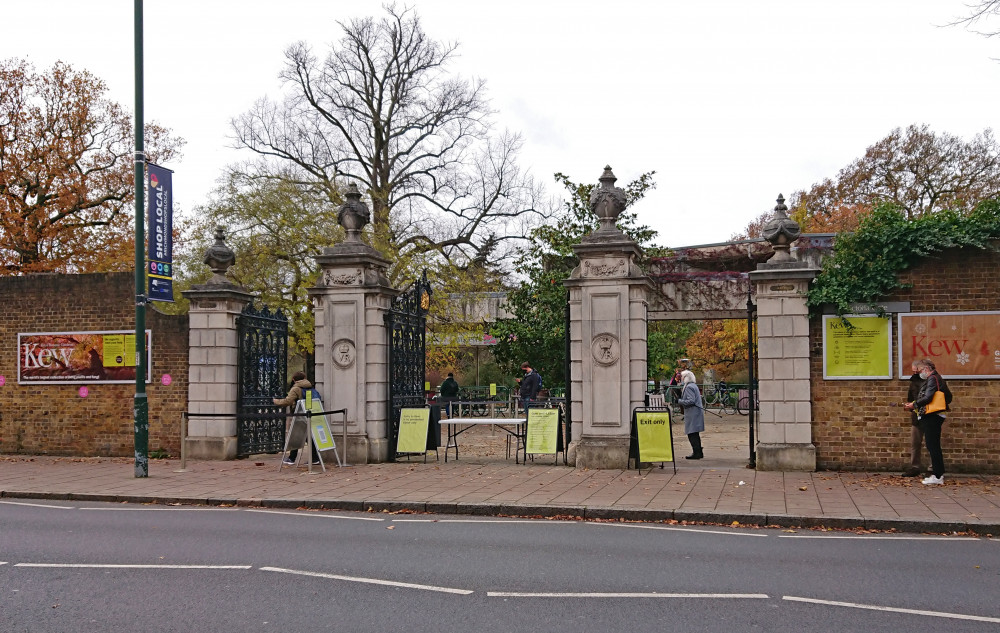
[114,350]
[322,437]
[543,429]
[653,429]
[413,425]
[861,352]
[493,389]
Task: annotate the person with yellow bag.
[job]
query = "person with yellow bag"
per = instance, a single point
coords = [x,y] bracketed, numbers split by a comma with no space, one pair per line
[931,404]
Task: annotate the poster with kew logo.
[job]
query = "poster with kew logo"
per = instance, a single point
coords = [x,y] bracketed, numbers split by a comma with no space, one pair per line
[960,344]
[79,357]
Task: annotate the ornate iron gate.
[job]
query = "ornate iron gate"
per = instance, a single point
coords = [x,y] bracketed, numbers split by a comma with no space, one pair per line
[262,365]
[406,323]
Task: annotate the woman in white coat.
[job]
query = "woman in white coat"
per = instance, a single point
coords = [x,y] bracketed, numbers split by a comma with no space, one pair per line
[694,413]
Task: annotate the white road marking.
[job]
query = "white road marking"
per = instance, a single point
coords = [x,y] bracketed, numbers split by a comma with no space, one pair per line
[883,537]
[109,566]
[36,505]
[370,581]
[872,607]
[517,594]
[533,521]
[322,516]
[678,529]
[3,562]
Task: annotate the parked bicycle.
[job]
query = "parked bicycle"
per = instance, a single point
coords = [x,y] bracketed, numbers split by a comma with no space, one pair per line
[743,404]
[721,396]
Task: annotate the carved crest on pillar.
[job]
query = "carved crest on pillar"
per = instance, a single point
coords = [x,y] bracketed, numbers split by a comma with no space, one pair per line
[354,277]
[606,349]
[617,267]
[344,353]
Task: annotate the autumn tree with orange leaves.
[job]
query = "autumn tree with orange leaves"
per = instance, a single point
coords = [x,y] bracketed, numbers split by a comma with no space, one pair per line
[67,172]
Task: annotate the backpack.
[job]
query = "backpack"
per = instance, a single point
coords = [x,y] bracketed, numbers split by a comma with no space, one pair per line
[539,381]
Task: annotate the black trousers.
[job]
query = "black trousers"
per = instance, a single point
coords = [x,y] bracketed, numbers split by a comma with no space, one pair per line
[931,424]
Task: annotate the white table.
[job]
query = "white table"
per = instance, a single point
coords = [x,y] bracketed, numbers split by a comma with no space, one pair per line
[456,426]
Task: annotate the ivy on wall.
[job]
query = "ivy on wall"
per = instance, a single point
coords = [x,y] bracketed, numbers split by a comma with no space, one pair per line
[865,265]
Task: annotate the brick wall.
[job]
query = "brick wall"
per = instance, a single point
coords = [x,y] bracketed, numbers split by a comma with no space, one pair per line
[54,419]
[855,426]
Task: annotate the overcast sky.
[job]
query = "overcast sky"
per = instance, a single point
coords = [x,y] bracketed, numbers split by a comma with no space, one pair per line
[730,102]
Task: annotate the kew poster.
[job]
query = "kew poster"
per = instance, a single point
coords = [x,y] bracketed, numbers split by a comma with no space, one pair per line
[79,357]
[960,344]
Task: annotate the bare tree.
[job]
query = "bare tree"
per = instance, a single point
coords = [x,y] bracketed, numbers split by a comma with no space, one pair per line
[981,13]
[381,109]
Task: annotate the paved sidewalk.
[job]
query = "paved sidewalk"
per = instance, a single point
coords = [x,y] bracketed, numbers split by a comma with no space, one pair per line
[702,492]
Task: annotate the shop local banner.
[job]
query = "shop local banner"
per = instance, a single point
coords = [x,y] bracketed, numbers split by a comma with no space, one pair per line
[79,357]
[960,344]
[859,351]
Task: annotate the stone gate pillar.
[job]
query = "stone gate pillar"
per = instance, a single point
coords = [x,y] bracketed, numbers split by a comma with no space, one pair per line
[350,301]
[213,350]
[785,416]
[608,297]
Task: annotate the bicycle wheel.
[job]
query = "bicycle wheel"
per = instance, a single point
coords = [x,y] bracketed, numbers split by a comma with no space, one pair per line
[743,405]
[729,404]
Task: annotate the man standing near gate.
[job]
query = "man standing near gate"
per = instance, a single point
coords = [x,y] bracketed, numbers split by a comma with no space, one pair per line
[530,385]
[449,392]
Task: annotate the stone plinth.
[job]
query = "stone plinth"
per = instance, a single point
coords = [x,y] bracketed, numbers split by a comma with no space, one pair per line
[608,302]
[212,375]
[350,302]
[785,415]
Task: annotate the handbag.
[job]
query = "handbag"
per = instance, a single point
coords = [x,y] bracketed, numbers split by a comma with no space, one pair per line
[936,404]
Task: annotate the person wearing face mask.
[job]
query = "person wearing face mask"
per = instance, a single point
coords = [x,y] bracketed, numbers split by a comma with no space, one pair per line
[916,433]
[931,423]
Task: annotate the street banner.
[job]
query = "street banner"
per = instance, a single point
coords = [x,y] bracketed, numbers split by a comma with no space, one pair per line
[960,344]
[542,433]
[160,210]
[79,357]
[655,441]
[413,424]
[861,352]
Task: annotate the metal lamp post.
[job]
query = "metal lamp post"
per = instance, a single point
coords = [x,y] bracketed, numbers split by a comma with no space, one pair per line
[141,405]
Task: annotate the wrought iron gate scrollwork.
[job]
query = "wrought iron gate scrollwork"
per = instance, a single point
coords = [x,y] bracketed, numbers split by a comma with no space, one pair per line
[406,324]
[262,366]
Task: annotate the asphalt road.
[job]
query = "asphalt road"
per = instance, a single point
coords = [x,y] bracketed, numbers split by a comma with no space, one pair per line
[116,567]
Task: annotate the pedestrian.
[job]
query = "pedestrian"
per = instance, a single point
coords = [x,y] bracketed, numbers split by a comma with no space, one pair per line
[931,422]
[675,385]
[694,413]
[449,392]
[916,434]
[530,385]
[297,392]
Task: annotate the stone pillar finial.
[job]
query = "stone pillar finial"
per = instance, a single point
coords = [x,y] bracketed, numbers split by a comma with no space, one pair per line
[353,214]
[607,201]
[219,257]
[781,231]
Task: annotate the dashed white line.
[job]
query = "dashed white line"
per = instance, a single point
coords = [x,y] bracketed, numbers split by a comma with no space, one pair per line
[519,594]
[36,505]
[882,537]
[129,566]
[677,529]
[873,607]
[322,516]
[370,581]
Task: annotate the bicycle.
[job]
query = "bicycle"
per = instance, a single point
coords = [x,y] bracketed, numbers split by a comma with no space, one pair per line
[721,396]
[743,404]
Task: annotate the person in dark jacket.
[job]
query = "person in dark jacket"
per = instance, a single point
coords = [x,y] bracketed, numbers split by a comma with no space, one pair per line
[530,385]
[298,392]
[916,433]
[931,423]
[449,392]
